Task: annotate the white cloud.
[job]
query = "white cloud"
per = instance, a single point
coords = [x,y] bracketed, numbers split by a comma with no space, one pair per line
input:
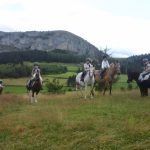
[99,27]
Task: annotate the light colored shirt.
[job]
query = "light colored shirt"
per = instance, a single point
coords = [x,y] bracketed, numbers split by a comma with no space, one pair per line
[87,66]
[147,68]
[105,64]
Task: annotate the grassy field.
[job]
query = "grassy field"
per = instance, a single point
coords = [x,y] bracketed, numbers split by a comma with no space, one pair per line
[68,122]
[18,85]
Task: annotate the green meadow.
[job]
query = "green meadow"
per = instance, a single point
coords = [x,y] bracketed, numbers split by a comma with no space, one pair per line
[68,122]
[17,85]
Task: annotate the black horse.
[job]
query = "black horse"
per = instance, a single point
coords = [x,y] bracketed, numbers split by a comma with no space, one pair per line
[34,88]
[143,86]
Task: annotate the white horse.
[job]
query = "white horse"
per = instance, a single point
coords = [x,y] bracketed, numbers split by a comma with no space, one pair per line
[89,79]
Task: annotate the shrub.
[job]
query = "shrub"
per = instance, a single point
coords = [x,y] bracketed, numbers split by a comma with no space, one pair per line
[122,88]
[129,87]
[54,86]
[71,81]
[99,86]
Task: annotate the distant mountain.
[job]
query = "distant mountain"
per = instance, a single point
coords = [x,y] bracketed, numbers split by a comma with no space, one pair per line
[47,41]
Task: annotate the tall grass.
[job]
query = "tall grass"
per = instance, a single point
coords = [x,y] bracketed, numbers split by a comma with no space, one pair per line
[68,122]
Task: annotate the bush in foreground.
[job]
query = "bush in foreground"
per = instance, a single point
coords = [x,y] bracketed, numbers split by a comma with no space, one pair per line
[54,86]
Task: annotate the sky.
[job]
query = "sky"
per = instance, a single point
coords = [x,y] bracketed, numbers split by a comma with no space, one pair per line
[123,26]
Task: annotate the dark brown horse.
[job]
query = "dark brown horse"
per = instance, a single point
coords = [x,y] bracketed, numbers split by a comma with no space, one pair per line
[34,88]
[108,77]
[143,86]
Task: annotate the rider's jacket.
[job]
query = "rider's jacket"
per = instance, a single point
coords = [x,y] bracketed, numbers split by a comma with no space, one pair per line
[147,68]
[105,64]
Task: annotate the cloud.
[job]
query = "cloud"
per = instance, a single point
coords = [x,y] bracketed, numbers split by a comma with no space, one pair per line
[97,26]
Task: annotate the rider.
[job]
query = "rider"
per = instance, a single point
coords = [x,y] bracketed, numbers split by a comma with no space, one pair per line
[35,70]
[146,69]
[104,66]
[86,66]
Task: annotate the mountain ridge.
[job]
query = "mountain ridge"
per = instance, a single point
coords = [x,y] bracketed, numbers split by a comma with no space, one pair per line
[47,41]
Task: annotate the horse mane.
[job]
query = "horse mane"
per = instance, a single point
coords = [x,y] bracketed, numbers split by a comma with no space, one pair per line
[111,68]
[112,65]
[134,74]
[111,71]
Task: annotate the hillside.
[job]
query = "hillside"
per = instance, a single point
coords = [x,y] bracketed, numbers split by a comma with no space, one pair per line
[46,41]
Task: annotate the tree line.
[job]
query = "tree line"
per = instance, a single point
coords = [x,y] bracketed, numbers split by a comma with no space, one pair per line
[64,56]
[24,70]
[40,56]
[134,63]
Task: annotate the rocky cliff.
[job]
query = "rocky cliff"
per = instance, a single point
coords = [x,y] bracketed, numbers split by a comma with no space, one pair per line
[46,41]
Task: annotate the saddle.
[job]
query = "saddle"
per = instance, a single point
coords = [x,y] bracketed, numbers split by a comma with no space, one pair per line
[102,73]
[146,76]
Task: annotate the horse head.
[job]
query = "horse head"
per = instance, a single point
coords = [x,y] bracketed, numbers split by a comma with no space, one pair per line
[37,75]
[112,69]
[91,72]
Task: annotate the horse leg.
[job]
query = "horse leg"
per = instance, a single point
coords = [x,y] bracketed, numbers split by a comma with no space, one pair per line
[92,92]
[85,91]
[77,87]
[110,88]
[145,91]
[35,99]
[105,88]
[141,91]
[32,97]
[29,94]
[107,85]
[104,91]
[79,90]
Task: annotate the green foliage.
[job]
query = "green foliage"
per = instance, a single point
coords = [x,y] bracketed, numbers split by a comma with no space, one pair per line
[129,87]
[99,86]
[122,88]
[54,86]
[133,63]
[71,81]
[53,69]
[24,70]
[36,55]
[15,71]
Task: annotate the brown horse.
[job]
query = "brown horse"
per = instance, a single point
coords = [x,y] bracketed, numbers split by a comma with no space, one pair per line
[35,88]
[108,76]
